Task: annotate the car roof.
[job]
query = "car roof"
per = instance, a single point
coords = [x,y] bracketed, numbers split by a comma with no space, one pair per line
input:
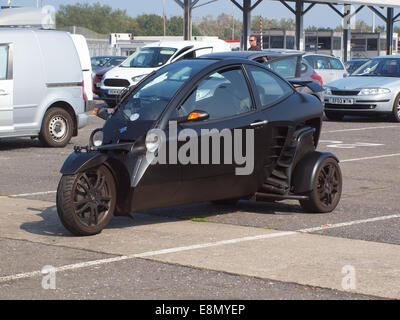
[320,54]
[247,54]
[179,44]
[393,56]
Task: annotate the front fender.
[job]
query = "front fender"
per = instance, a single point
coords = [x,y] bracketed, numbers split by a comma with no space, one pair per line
[81,161]
[306,170]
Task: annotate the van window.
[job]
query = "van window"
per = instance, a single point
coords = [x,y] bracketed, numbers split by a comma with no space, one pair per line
[3,62]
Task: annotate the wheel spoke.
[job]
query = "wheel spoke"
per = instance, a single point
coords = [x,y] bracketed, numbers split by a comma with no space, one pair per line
[81,202]
[100,182]
[83,187]
[85,177]
[80,211]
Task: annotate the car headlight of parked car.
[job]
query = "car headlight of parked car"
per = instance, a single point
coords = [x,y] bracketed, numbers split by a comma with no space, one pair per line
[138,78]
[96,138]
[373,91]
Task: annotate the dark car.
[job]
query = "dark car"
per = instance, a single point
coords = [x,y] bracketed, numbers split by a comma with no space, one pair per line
[354,64]
[289,64]
[99,72]
[200,130]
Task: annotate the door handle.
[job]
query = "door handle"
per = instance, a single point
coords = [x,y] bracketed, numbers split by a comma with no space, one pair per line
[3,93]
[258,123]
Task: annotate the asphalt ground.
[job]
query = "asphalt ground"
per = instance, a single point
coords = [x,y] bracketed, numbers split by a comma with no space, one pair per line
[251,251]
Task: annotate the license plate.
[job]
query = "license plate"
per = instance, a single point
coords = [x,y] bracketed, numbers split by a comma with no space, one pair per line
[341,100]
[114,92]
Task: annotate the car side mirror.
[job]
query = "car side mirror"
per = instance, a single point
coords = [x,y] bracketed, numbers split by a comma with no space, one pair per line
[196,115]
[101,112]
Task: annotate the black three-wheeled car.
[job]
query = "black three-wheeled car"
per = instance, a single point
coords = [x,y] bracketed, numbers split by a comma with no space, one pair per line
[202,98]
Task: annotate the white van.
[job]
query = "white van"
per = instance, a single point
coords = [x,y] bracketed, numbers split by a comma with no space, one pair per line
[152,57]
[41,92]
[84,57]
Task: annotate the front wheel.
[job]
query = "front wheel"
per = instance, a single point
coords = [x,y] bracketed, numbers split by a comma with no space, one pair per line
[396,109]
[86,201]
[327,188]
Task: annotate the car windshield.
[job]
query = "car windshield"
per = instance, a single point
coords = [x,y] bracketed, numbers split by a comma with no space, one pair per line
[380,67]
[149,99]
[114,62]
[149,57]
[99,61]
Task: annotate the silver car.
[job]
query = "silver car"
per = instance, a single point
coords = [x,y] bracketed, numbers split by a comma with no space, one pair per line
[374,88]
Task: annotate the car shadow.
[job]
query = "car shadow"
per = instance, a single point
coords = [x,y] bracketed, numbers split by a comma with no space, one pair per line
[9,144]
[362,119]
[50,224]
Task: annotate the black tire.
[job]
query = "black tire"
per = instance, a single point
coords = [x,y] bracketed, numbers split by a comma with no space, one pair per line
[327,188]
[86,201]
[226,202]
[57,128]
[335,116]
[396,109]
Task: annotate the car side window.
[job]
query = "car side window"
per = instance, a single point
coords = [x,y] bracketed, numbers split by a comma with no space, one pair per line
[335,64]
[286,67]
[3,62]
[304,68]
[310,60]
[221,94]
[322,62]
[270,88]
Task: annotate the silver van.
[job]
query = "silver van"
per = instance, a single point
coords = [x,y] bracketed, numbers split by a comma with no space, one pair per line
[41,86]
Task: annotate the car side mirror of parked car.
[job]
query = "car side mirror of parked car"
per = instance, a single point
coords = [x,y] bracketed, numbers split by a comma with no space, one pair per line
[195,115]
[101,112]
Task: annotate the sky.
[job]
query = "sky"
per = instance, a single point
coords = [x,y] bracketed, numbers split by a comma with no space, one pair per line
[319,15]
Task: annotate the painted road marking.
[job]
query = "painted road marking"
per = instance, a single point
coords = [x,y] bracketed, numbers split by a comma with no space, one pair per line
[31,194]
[373,157]
[341,145]
[192,247]
[360,129]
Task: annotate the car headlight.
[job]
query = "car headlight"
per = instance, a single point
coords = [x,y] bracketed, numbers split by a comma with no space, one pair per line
[96,138]
[328,91]
[373,91]
[138,78]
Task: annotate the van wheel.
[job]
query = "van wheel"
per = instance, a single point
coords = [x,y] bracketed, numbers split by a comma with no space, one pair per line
[57,127]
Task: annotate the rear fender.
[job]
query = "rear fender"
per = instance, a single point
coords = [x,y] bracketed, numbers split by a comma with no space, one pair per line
[306,170]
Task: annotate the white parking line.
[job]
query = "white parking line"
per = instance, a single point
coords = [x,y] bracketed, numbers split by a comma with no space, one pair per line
[373,157]
[31,194]
[192,247]
[360,129]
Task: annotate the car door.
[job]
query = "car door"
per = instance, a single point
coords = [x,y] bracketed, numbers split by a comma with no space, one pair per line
[338,70]
[226,162]
[6,89]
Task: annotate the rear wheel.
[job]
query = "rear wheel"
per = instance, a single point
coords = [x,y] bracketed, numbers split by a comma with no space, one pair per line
[327,188]
[57,128]
[86,201]
[334,115]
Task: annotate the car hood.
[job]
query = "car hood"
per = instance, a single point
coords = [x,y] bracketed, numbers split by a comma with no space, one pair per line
[118,129]
[357,82]
[127,73]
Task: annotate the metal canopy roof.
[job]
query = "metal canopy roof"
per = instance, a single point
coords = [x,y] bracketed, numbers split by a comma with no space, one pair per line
[376,3]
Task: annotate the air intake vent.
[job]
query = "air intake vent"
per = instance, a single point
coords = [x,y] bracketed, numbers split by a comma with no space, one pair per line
[116,83]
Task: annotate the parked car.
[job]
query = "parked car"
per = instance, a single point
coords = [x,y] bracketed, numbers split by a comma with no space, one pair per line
[354,64]
[99,72]
[84,57]
[372,89]
[149,58]
[100,63]
[116,173]
[328,67]
[41,86]
[289,65]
